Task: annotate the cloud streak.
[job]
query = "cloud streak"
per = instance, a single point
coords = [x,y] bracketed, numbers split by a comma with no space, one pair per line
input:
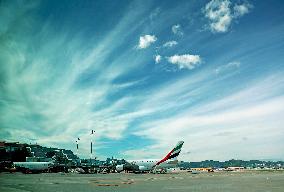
[227,67]
[46,94]
[239,114]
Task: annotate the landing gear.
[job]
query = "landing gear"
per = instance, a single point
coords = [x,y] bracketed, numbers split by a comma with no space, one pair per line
[158,171]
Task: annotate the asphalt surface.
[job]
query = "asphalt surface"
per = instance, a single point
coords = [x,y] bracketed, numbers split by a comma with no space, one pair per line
[222,181]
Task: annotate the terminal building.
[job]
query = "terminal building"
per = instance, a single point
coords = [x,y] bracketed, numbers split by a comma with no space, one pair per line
[15,152]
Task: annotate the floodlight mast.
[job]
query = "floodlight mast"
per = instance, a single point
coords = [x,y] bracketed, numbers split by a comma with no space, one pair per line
[91,154]
[77,146]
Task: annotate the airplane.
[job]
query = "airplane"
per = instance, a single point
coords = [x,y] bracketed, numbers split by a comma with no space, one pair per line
[146,165]
[33,166]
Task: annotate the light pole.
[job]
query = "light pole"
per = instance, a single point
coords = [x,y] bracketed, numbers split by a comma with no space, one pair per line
[77,146]
[91,155]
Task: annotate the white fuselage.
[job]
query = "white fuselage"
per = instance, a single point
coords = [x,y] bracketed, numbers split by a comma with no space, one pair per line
[149,164]
[36,166]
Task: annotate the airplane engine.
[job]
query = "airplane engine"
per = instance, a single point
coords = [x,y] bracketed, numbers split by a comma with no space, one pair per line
[119,168]
[142,168]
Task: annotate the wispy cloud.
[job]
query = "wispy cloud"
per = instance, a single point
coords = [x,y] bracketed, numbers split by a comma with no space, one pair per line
[58,82]
[155,13]
[242,9]
[52,97]
[146,40]
[185,61]
[170,44]
[238,114]
[229,66]
[158,58]
[177,30]
[141,154]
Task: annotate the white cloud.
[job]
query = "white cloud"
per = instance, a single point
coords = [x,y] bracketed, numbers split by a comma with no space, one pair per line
[176,29]
[146,40]
[185,61]
[158,58]
[170,44]
[219,12]
[242,9]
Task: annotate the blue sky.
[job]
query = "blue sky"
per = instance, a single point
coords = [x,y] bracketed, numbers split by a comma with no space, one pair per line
[145,75]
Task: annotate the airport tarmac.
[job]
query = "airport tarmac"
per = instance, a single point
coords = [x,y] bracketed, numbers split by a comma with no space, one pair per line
[217,181]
